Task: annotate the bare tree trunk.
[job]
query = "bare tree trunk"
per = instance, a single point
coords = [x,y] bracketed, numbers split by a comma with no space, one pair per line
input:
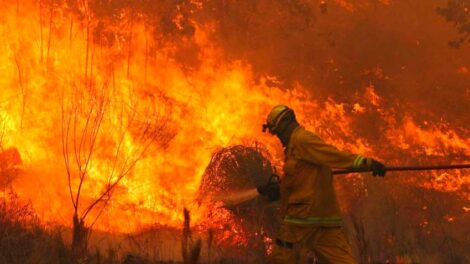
[79,238]
[191,250]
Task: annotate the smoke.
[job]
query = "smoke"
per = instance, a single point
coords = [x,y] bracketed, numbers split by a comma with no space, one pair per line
[400,48]
[337,50]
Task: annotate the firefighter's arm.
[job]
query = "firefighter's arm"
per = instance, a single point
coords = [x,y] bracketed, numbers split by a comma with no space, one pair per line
[311,148]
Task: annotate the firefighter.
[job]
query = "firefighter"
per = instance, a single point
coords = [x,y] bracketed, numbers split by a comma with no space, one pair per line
[311,219]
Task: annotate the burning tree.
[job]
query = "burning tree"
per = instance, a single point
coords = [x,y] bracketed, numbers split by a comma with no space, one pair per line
[103,138]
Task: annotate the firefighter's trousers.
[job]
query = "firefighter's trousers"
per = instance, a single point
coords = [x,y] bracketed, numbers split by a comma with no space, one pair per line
[329,244]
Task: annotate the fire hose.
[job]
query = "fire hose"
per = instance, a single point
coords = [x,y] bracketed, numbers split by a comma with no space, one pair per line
[408,168]
[252,193]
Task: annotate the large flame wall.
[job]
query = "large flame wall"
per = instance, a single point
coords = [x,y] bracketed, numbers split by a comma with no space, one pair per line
[47,52]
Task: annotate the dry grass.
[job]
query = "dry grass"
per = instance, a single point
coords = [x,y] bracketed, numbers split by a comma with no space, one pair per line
[390,222]
[24,240]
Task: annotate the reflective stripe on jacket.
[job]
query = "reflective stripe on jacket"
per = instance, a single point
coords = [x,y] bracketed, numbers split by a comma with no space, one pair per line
[314,221]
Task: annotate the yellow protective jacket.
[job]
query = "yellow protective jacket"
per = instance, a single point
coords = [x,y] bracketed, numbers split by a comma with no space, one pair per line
[307,192]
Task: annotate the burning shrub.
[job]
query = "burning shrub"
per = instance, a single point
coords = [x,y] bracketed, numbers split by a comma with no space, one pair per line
[236,167]
[250,223]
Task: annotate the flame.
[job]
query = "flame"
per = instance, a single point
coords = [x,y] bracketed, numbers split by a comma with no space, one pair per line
[217,103]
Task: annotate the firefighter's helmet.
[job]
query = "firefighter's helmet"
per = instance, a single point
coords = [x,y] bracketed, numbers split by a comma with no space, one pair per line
[275,116]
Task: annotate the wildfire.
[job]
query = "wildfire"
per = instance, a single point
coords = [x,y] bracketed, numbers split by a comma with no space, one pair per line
[51,63]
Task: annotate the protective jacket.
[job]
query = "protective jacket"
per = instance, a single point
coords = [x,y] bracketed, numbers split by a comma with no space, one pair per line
[307,192]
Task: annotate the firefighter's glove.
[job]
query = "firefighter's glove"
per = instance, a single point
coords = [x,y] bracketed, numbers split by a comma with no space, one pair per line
[270,190]
[377,168]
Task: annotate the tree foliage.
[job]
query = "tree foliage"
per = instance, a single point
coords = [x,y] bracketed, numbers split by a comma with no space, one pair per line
[457,12]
